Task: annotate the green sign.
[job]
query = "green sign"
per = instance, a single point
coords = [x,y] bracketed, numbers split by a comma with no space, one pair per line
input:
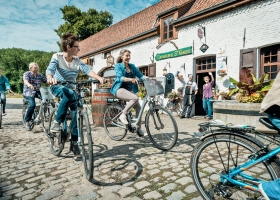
[173,54]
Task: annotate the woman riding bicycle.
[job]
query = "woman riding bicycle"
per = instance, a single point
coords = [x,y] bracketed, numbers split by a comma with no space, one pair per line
[271,106]
[125,86]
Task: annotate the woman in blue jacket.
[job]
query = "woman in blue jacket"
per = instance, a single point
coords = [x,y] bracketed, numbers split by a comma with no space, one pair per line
[4,86]
[125,86]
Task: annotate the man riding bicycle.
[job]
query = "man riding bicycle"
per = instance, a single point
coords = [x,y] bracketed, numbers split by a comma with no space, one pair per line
[271,106]
[32,81]
[65,66]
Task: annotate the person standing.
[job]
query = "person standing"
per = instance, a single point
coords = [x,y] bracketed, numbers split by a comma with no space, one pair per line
[32,80]
[125,86]
[4,86]
[65,66]
[208,95]
[190,92]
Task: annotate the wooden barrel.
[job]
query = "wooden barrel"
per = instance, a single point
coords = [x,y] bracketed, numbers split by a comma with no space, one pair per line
[99,105]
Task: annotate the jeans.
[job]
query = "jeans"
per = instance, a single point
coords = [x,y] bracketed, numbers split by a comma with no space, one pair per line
[208,106]
[32,106]
[274,120]
[3,100]
[68,97]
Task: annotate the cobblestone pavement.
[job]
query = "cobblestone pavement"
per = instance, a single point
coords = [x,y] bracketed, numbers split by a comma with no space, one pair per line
[129,169]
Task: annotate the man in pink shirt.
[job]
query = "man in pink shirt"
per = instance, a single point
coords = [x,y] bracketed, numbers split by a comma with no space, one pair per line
[208,95]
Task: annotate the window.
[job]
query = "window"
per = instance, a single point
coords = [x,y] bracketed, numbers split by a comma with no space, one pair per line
[270,61]
[206,64]
[148,70]
[91,61]
[167,31]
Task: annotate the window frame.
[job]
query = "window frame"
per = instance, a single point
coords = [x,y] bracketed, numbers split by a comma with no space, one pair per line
[212,68]
[173,15]
[270,64]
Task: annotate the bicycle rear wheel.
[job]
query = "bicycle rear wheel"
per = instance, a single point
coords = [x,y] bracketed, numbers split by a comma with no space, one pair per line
[111,122]
[56,140]
[86,144]
[216,155]
[161,128]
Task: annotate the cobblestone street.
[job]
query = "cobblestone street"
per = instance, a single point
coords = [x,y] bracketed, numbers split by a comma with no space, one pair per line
[129,169]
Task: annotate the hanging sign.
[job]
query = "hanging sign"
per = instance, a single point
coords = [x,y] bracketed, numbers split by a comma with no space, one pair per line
[200,33]
[173,54]
[204,47]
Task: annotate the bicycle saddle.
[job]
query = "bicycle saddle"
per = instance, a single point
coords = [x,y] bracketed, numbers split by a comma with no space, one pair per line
[265,121]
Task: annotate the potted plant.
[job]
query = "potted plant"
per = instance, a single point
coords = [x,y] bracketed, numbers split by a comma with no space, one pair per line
[141,92]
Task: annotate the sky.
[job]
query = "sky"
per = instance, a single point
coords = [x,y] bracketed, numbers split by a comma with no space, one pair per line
[30,24]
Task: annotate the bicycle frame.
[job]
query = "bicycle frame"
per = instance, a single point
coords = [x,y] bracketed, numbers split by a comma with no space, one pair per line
[244,167]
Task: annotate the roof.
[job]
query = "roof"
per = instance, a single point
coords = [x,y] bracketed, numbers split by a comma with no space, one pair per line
[141,22]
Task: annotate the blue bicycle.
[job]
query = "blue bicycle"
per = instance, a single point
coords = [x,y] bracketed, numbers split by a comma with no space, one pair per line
[231,161]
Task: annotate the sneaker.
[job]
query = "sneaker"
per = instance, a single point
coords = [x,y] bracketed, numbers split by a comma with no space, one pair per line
[123,119]
[4,114]
[75,148]
[28,126]
[270,190]
[55,127]
[141,133]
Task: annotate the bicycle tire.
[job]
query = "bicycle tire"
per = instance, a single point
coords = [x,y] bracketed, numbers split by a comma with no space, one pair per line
[166,137]
[207,150]
[113,131]
[56,141]
[86,144]
[45,116]
[1,114]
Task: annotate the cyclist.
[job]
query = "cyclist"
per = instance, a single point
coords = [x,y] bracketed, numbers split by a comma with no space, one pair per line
[32,80]
[271,106]
[125,86]
[4,86]
[65,66]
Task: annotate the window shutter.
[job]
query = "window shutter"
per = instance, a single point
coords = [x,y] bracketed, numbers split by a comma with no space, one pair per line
[152,70]
[248,58]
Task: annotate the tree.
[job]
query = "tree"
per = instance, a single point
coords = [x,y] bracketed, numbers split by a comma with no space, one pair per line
[83,24]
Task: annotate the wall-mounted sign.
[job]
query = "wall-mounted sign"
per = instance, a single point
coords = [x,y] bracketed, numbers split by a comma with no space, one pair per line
[173,54]
[204,47]
[200,33]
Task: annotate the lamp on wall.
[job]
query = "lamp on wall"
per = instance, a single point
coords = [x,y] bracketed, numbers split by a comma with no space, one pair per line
[183,66]
[164,71]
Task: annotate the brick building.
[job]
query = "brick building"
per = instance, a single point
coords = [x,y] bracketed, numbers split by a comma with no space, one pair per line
[173,35]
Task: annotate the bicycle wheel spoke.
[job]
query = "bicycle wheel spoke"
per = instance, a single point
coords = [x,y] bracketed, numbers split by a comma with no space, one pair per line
[217,156]
[162,128]
[113,127]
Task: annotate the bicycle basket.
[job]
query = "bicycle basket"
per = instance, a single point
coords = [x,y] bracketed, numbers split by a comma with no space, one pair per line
[154,86]
[46,93]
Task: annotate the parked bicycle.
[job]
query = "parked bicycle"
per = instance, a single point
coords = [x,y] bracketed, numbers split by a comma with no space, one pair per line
[160,124]
[42,110]
[231,161]
[57,140]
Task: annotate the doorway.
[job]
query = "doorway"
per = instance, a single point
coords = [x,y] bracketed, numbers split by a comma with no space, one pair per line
[203,66]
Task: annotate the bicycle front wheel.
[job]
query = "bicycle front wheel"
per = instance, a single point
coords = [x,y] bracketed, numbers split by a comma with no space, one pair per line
[86,144]
[45,118]
[217,155]
[1,114]
[161,128]
[112,125]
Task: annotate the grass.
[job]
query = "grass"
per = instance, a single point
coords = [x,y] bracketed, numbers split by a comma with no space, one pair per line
[14,95]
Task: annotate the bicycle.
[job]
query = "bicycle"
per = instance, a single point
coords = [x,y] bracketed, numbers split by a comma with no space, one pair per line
[174,107]
[231,161]
[57,140]
[42,110]
[160,124]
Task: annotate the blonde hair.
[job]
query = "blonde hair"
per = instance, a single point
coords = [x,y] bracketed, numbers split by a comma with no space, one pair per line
[119,59]
[32,64]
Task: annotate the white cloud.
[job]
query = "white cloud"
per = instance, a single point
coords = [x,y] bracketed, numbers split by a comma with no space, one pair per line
[30,24]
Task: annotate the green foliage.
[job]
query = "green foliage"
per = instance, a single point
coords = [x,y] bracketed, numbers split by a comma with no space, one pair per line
[83,24]
[14,62]
[142,92]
